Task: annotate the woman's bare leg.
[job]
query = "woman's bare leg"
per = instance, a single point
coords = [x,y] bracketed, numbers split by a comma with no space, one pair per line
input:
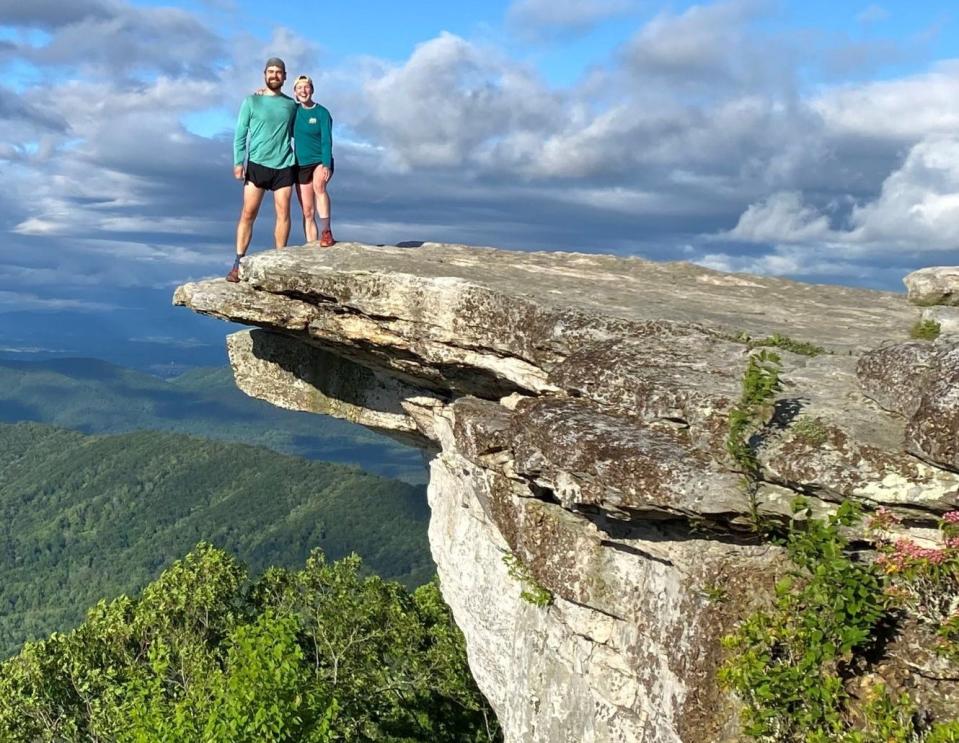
[321,177]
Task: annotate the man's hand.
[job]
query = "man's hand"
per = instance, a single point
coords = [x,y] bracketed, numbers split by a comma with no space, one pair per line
[238,172]
[324,173]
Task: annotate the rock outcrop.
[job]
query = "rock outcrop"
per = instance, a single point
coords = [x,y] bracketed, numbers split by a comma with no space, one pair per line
[576,409]
[933,285]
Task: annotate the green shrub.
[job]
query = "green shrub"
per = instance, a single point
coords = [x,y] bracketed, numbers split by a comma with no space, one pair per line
[790,663]
[925,330]
[803,348]
[533,592]
[809,430]
[759,386]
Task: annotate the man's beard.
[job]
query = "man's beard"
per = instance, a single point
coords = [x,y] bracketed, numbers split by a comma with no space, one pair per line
[274,85]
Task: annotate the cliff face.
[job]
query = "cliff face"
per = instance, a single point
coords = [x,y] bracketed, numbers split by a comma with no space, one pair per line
[576,409]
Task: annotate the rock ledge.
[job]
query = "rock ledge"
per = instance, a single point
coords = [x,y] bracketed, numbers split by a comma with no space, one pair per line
[575,407]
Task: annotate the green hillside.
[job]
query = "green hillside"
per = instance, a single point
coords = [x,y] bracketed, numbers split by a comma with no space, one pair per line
[88,517]
[94,396]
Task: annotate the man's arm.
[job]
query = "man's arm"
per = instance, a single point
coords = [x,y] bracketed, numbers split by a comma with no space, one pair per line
[239,138]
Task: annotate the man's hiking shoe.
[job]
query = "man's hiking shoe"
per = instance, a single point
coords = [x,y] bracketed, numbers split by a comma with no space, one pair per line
[234,275]
[326,239]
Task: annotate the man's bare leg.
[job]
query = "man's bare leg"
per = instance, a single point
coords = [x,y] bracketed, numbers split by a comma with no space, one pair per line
[252,198]
[304,193]
[281,202]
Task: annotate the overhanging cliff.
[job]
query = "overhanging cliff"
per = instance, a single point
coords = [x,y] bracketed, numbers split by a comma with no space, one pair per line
[576,407]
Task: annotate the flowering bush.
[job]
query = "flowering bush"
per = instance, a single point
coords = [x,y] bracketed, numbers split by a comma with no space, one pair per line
[792,663]
[924,580]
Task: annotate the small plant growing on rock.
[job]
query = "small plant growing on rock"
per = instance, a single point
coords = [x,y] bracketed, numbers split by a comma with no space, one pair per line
[533,592]
[715,593]
[811,431]
[925,330]
[803,348]
[760,384]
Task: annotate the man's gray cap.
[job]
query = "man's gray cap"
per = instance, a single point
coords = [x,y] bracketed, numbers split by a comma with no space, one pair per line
[275,62]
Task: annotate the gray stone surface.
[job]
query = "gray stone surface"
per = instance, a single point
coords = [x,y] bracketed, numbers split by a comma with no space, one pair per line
[919,381]
[947,318]
[933,285]
[933,430]
[896,375]
[298,376]
[577,407]
[443,288]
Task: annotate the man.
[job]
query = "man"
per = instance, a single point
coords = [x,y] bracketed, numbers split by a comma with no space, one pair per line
[267,120]
[313,139]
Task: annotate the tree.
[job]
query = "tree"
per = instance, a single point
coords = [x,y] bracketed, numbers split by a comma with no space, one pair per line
[320,654]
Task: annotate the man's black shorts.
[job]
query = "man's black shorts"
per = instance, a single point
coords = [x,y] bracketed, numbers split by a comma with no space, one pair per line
[304,173]
[269,179]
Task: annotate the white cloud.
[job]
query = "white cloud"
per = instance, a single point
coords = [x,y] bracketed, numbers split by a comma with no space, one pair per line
[905,109]
[812,262]
[117,39]
[535,17]
[30,349]
[709,47]
[54,13]
[448,104]
[695,138]
[782,218]
[917,210]
[10,301]
[873,14]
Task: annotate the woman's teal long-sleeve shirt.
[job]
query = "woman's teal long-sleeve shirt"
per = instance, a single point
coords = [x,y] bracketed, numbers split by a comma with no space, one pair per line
[313,136]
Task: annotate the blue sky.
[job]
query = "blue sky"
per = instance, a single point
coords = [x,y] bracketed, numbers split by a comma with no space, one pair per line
[812,140]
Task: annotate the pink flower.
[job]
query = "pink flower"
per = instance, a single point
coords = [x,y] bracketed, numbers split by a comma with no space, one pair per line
[936,557]
[906,552]
[952,517]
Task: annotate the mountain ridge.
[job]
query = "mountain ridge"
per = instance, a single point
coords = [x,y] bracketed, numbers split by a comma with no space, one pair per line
[87,517]
[96,396]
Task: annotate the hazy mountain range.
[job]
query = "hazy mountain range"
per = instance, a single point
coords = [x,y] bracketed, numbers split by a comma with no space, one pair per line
[108,474]
[94,396]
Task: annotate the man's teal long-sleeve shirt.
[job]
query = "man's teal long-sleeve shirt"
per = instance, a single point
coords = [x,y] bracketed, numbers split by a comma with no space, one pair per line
[268,121]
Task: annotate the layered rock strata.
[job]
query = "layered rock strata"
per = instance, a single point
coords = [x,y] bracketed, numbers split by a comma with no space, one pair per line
[576,411]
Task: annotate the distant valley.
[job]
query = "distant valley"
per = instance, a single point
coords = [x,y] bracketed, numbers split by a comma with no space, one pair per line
[108,474]
[94,396]
[88,517]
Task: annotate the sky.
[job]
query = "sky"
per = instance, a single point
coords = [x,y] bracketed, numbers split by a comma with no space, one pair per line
[812,140]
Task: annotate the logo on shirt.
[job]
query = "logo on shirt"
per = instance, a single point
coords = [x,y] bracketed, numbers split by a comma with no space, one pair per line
[312,120]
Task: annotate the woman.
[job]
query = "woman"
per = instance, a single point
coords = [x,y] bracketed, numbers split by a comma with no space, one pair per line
[313,146]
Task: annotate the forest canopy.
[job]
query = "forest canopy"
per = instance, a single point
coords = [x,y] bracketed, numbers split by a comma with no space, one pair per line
[317,654]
